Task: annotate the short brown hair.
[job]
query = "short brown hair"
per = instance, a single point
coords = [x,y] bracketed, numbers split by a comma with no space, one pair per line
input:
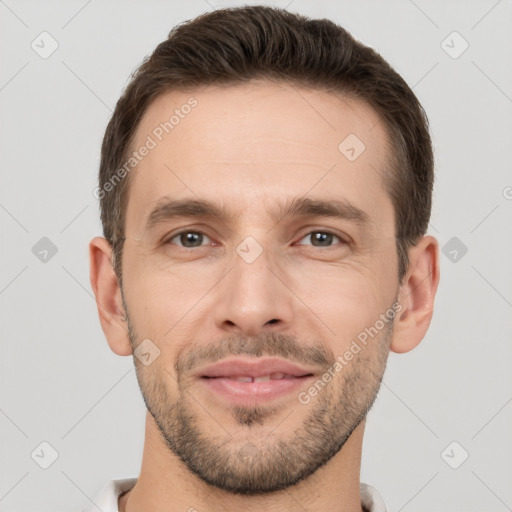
[238,45]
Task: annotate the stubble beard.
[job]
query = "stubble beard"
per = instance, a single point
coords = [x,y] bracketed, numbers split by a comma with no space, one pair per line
[252,463]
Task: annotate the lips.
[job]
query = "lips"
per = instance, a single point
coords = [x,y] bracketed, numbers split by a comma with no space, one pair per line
[246,381]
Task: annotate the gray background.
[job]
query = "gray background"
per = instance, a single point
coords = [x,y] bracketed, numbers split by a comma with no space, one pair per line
[60,383]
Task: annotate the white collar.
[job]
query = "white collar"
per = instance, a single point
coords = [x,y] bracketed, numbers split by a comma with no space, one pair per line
[107,499]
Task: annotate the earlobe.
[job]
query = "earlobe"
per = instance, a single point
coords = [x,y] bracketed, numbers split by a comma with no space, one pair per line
[108,296]
[416,295]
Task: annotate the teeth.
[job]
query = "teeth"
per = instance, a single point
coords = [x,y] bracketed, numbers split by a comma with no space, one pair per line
[243,379]
[263,378]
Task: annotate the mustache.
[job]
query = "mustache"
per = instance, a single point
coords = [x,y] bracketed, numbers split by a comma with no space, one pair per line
[266,344]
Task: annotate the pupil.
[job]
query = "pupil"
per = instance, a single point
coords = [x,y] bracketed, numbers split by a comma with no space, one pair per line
[191,239]
[323,238]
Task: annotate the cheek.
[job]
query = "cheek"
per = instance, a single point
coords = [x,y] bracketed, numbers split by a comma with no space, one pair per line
[164,300]
[341,300]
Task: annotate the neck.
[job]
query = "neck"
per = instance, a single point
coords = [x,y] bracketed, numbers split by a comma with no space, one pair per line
[165,484]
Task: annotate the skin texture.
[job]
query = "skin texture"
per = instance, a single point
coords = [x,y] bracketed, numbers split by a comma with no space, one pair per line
[250,149]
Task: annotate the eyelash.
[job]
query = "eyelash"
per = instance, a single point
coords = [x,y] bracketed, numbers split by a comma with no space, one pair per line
[323,231]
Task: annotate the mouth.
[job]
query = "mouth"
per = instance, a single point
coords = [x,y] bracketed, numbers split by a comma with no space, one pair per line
[251,380]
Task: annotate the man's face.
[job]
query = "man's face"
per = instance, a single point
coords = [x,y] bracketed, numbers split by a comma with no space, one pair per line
[261,286]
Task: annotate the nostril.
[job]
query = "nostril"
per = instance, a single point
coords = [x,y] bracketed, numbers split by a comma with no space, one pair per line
[273,321]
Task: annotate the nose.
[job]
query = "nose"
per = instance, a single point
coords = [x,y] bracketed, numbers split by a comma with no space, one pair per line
[254,298]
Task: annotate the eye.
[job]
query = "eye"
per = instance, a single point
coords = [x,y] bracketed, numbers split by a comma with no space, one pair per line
[189,239]
[321,238]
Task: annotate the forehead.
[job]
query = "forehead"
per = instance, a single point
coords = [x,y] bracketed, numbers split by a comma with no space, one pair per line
[255,143]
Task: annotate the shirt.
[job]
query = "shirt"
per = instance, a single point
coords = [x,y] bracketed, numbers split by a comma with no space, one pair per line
[106,501]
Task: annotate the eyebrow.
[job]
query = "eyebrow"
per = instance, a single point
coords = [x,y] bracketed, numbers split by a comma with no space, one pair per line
[298,207]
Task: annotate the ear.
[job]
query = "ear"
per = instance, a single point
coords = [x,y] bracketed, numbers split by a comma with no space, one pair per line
[416,295]
[108,296]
